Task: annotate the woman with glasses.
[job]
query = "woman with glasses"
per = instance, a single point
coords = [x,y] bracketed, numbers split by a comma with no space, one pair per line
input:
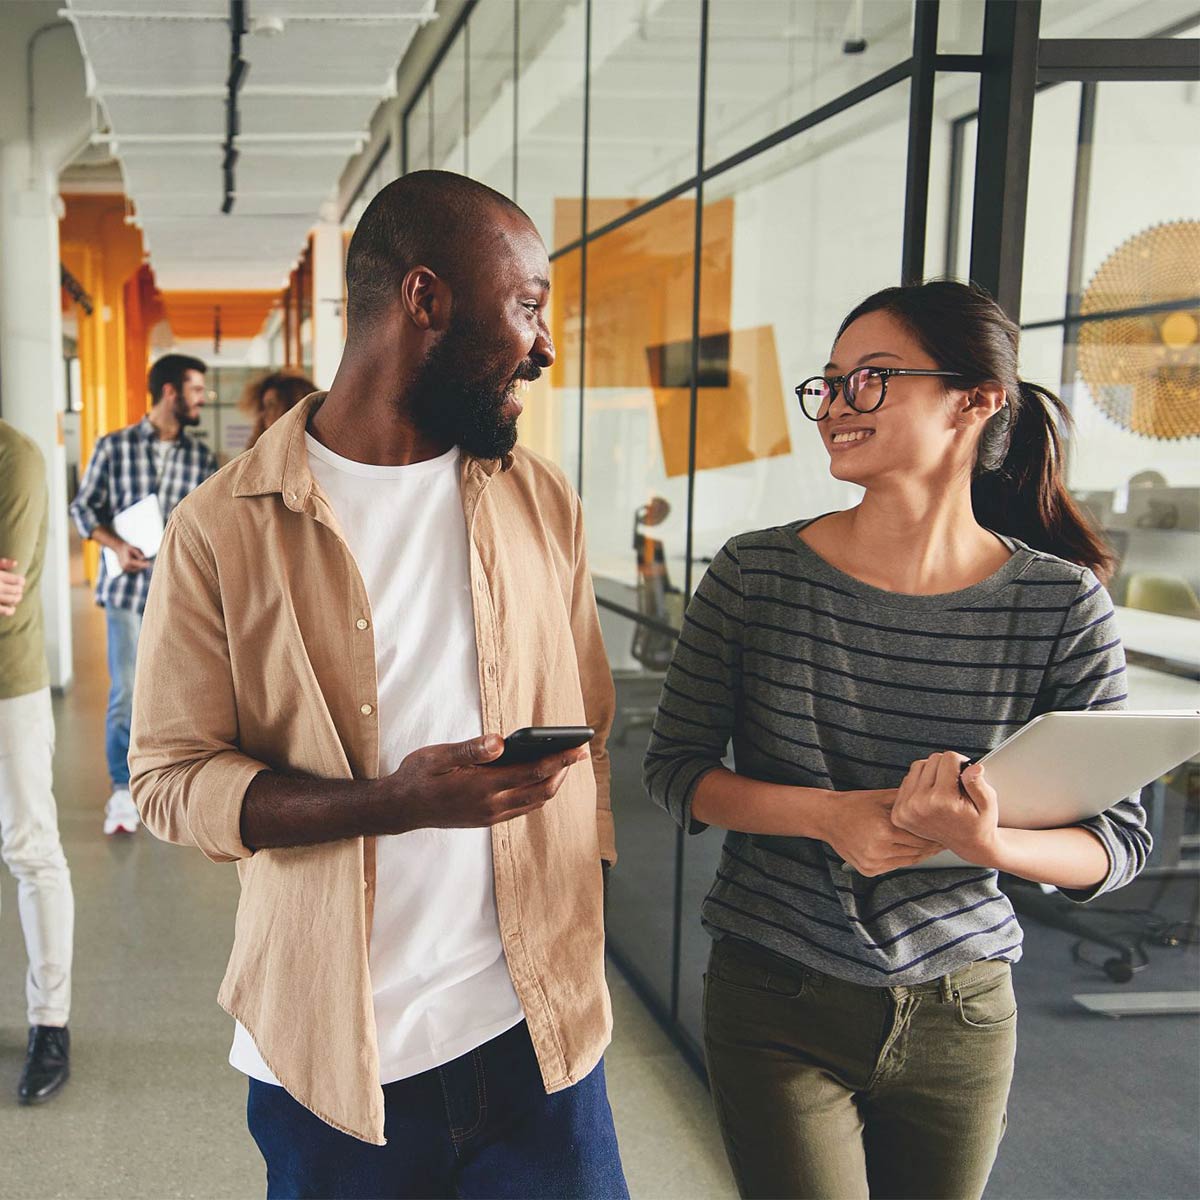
[860,1023]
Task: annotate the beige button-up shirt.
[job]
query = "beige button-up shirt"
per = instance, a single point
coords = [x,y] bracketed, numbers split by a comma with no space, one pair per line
[257,650]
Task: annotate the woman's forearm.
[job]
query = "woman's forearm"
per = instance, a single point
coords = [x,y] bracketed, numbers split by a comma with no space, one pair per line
[1068,858]
[732,801]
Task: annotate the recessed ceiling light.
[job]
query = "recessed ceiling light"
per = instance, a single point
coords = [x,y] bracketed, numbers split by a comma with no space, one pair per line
[266,26]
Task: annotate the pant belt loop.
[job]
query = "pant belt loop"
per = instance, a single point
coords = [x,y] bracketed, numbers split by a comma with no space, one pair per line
[947,989]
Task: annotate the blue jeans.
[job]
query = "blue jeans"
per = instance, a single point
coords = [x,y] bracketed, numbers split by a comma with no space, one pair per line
[480,1126]
[124,626]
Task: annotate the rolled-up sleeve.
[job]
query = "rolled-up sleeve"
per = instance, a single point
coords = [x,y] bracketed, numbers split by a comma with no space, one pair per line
[1088,672]
[92,505]
[595,677]
[187,775]
[698,708]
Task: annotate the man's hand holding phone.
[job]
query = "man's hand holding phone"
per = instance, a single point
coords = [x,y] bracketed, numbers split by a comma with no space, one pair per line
[457,785]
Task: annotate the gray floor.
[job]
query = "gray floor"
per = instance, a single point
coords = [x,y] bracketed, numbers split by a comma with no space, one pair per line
[152,1110]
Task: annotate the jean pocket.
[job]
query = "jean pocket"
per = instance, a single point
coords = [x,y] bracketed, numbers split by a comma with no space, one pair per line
[733,967]
[992,1006]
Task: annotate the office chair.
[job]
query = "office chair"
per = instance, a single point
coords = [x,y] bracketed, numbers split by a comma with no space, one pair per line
[653,645]
[1167,594]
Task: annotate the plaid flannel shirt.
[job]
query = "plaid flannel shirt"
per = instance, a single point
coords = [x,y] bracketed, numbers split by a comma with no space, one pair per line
[123,471]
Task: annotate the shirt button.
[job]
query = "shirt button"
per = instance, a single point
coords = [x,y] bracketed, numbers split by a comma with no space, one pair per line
[490,670]
[362,622]
[366,710]
[479,585]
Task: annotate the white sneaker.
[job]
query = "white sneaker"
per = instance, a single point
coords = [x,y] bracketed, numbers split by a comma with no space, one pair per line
[120,813]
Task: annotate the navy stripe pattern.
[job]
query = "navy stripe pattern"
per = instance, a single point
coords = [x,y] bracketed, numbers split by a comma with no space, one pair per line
[121,472]
[819,680]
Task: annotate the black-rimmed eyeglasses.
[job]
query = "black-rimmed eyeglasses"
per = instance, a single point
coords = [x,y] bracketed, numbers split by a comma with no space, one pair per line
[864,389]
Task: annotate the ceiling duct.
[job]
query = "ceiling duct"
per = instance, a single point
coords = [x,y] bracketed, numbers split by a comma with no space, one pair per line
[233,122]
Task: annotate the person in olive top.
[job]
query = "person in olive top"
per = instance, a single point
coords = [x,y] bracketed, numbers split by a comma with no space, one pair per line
[29,838]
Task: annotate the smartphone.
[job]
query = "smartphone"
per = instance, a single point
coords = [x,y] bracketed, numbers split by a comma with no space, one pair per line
[528,745]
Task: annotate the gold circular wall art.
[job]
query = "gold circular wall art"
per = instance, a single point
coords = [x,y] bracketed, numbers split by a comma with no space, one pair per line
[1144,371]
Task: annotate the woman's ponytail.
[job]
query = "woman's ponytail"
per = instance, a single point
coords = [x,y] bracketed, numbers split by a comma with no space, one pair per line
[1018,486]
[1024,494]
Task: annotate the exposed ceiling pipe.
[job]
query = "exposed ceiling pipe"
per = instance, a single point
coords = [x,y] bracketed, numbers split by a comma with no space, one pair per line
[248,131]
[29,100]
[238,67]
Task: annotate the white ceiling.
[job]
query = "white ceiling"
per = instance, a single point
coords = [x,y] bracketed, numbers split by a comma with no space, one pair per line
[159,68]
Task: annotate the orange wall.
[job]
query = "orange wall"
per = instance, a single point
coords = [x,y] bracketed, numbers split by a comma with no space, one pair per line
[105,255]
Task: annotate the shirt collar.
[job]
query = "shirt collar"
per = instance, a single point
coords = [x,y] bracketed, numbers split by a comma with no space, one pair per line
[278,461]
[148,432]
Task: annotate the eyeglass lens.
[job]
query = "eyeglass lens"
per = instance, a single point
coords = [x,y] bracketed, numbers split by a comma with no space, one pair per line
[863,390]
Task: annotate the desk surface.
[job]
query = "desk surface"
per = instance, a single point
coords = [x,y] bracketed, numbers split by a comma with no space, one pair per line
[1156,689]
[1174,638]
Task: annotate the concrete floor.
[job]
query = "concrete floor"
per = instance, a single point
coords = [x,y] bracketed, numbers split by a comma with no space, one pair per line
[152,1109]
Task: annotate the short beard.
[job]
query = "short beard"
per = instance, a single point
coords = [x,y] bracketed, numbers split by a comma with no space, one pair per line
[183,417]
[450,404]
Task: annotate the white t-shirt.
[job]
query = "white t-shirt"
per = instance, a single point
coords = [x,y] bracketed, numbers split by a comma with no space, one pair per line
[438,972]
[161,450]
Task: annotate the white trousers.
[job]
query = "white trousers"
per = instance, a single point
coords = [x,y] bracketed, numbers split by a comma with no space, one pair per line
[30,846]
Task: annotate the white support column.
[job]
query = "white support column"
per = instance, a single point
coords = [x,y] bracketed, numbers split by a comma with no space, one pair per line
[328,275]
[45,120]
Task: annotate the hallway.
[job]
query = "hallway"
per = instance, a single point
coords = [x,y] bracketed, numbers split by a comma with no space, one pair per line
[152,1109]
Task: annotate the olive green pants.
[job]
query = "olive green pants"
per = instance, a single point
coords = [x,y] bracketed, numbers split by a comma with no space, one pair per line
[833,1090]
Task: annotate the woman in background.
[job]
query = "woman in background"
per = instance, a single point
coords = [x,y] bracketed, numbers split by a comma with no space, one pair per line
[265,400]
[860,1024]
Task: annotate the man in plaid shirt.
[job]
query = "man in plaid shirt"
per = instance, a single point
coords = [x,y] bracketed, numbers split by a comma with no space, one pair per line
[153,457]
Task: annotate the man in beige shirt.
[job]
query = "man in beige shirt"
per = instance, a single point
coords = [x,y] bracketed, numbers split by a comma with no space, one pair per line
[343,623]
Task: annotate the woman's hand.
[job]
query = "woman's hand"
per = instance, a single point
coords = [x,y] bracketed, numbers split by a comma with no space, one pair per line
[958,811]
[861,828]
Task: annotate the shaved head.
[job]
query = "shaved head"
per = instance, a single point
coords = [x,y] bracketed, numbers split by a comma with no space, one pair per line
[436,219]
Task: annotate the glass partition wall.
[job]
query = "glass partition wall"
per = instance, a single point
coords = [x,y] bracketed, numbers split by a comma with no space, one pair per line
[718,182]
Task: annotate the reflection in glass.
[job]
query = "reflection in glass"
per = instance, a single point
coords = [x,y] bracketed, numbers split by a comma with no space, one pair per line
[788,225]
[641,891]
[950,203]
[1134,382]
[449,109]
[773,61]
[1051,185]
[550,72]
[1130,238]
[960,27]
[639,300]
[490,142]
[1116,19]
[645,80]
[419,127]
[701,854]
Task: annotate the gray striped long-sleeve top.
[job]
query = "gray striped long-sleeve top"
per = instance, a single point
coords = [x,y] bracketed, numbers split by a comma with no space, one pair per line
[823,681]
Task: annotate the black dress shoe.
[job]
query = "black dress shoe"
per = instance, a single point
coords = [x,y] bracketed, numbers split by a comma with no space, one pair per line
[47,1063]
